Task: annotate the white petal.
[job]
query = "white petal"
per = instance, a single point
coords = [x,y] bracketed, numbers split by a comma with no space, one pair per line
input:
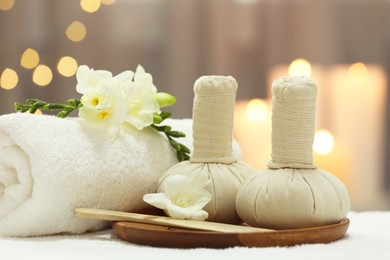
[140,121]
[125,76]
[186,213]
[102,74]
[143,79]
[200,215]
[81,75]
[175,211]
[159,200]
[140,70]
[88,113]
[82,72]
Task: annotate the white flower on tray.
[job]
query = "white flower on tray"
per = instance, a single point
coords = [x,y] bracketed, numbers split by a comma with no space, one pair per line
[183,197]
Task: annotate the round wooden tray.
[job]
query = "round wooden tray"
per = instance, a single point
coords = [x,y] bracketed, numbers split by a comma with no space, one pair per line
[159,236]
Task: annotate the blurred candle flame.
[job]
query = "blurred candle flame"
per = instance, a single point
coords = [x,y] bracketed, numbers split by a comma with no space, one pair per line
[358,73]
[256,110]
[323,142]
[300,67]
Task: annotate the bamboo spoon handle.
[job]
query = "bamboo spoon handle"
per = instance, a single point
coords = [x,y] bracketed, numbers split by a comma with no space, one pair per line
[164,221]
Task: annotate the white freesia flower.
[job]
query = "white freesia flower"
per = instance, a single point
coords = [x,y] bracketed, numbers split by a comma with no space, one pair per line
[183,197]
[89,78]
[105,106]
[104,100]
[141,99]
[128,97]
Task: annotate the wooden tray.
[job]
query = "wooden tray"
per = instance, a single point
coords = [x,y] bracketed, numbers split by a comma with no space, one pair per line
[159,236]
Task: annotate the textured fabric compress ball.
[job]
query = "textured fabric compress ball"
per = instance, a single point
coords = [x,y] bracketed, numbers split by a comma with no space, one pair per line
[292,198]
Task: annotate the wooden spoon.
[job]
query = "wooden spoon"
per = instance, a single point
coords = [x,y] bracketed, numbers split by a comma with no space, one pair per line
[164,221]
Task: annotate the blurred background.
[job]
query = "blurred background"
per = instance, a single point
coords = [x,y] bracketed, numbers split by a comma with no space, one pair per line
[344,45]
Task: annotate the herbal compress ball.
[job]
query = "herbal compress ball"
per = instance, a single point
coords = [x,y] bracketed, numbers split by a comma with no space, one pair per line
[292,192]
[212,131]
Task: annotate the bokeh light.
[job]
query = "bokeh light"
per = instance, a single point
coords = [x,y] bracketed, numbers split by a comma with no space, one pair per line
[358,73]
[256,110]
[323,142]
[300,67]
[42,75]
[76,31]
[9,79]
[6,5]
[67,66]
[30,59]
[90,6]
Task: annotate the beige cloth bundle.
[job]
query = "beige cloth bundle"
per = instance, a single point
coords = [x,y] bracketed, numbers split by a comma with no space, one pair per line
[212,132]
[292,193]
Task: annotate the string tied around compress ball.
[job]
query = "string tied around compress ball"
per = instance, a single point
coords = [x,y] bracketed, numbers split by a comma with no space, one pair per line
[293,123]
[213,119]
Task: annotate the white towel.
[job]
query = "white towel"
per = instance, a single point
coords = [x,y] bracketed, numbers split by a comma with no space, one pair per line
[49,166]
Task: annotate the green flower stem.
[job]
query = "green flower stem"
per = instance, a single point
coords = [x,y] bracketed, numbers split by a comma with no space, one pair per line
[182,151]
[32,105]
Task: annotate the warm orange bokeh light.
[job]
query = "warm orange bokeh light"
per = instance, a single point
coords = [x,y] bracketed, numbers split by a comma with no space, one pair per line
[300,67]
[256,110]
[42,75]
[358,73]
[90,6]
[67,66]
[323,142]
[76,31]
[9,79]
[30,59]
[6,5]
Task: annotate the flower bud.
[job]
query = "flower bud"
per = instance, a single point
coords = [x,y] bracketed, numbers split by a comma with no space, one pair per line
[165,99]
[157,119]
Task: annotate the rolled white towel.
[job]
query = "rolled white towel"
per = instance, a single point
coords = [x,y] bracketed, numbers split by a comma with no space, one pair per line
[49,166]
